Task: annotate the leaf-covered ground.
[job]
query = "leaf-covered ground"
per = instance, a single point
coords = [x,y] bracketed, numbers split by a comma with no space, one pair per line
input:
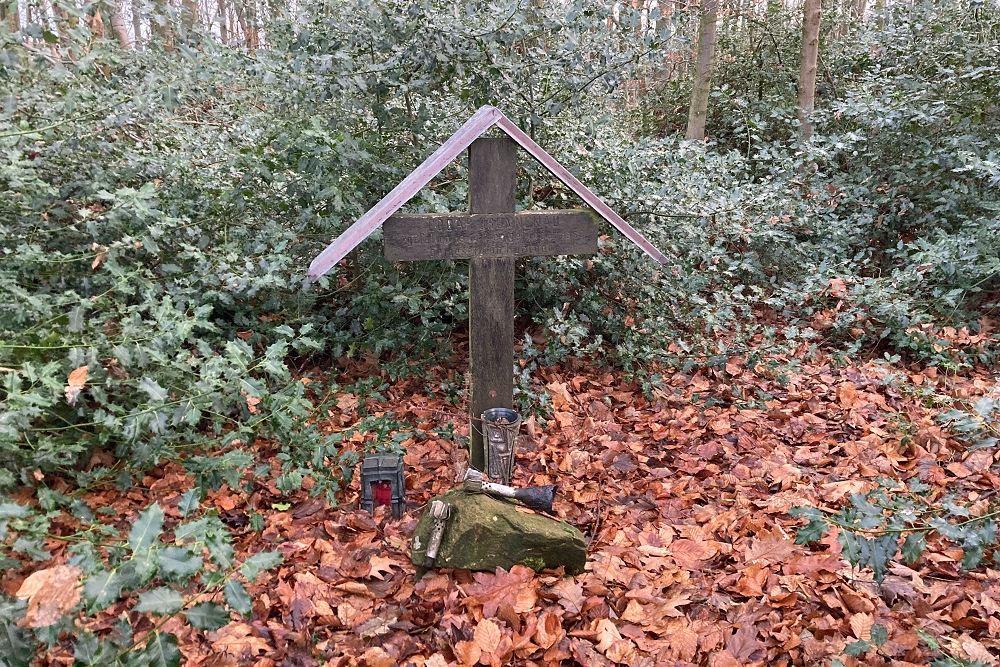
[685,499]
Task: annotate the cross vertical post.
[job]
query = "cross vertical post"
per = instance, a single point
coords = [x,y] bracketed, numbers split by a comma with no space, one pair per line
[492,178]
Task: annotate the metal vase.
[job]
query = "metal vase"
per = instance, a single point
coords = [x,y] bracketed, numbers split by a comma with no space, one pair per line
[500,427]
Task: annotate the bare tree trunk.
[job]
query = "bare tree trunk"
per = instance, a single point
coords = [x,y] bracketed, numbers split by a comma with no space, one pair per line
[666,17]
[189,15]
[807,66]
[10,14]
[860,9]
[703,70]
[137,23]
[165,30]
[223,23]
[242,20]
[118,25]
[253,37]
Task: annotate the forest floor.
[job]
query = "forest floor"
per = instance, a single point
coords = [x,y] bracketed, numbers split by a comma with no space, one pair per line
[684,495]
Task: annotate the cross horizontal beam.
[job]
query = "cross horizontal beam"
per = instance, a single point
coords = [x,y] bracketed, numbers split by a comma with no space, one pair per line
[467,236]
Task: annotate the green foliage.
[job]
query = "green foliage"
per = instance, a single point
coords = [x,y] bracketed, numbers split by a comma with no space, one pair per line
[163,580]
[979,426]
[160,209]
[896,520]
[879,636]
[944,658]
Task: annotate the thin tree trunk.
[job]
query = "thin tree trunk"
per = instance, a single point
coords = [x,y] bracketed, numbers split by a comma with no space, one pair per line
[666,19]
[223,23]
[860,9]
[189,15]
[807,66]
[136,23]
[118,25]
[703,70]
[253,37]
[10,14]
[242,20]
[165,30]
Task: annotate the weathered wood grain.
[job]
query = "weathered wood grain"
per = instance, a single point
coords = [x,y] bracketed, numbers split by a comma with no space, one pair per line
[464,236]
[492,175]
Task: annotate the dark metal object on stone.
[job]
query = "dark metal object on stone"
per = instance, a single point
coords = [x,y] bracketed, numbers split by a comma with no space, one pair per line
[383,483]
[536,497]
[500,427]
[440,513]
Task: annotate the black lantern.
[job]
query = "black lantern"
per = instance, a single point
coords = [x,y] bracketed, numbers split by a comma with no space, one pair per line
[382,483]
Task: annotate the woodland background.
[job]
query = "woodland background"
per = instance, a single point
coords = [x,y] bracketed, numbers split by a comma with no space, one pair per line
[825,180]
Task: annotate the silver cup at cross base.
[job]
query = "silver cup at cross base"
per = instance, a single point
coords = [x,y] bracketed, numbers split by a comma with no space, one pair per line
[500,427]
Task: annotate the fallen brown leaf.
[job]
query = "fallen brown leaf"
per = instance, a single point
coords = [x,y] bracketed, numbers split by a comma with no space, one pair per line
[51,594]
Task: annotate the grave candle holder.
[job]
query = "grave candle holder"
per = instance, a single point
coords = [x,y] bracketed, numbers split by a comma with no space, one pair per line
[500,427]
[383,483]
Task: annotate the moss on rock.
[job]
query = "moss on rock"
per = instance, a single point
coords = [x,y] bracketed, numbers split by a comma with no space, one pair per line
[485,533]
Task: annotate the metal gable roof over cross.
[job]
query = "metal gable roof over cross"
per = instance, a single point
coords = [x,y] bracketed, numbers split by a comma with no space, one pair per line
[485,118]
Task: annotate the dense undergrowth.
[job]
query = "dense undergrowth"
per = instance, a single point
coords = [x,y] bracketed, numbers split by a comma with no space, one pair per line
[159,209]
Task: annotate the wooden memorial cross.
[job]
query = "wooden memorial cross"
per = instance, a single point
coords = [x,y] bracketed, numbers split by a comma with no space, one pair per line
[491,236]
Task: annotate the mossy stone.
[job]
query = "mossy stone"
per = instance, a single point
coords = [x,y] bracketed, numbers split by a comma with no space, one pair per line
[485,533]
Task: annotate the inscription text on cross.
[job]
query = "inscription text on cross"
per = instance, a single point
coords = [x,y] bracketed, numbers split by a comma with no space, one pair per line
[491,235]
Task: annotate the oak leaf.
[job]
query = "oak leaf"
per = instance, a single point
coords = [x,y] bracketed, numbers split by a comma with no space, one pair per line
[549,630]
[381,565]
[515,588]
[571,597]
[683,644]
[239,639]
[772,548]
[691,554]
[50,593]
